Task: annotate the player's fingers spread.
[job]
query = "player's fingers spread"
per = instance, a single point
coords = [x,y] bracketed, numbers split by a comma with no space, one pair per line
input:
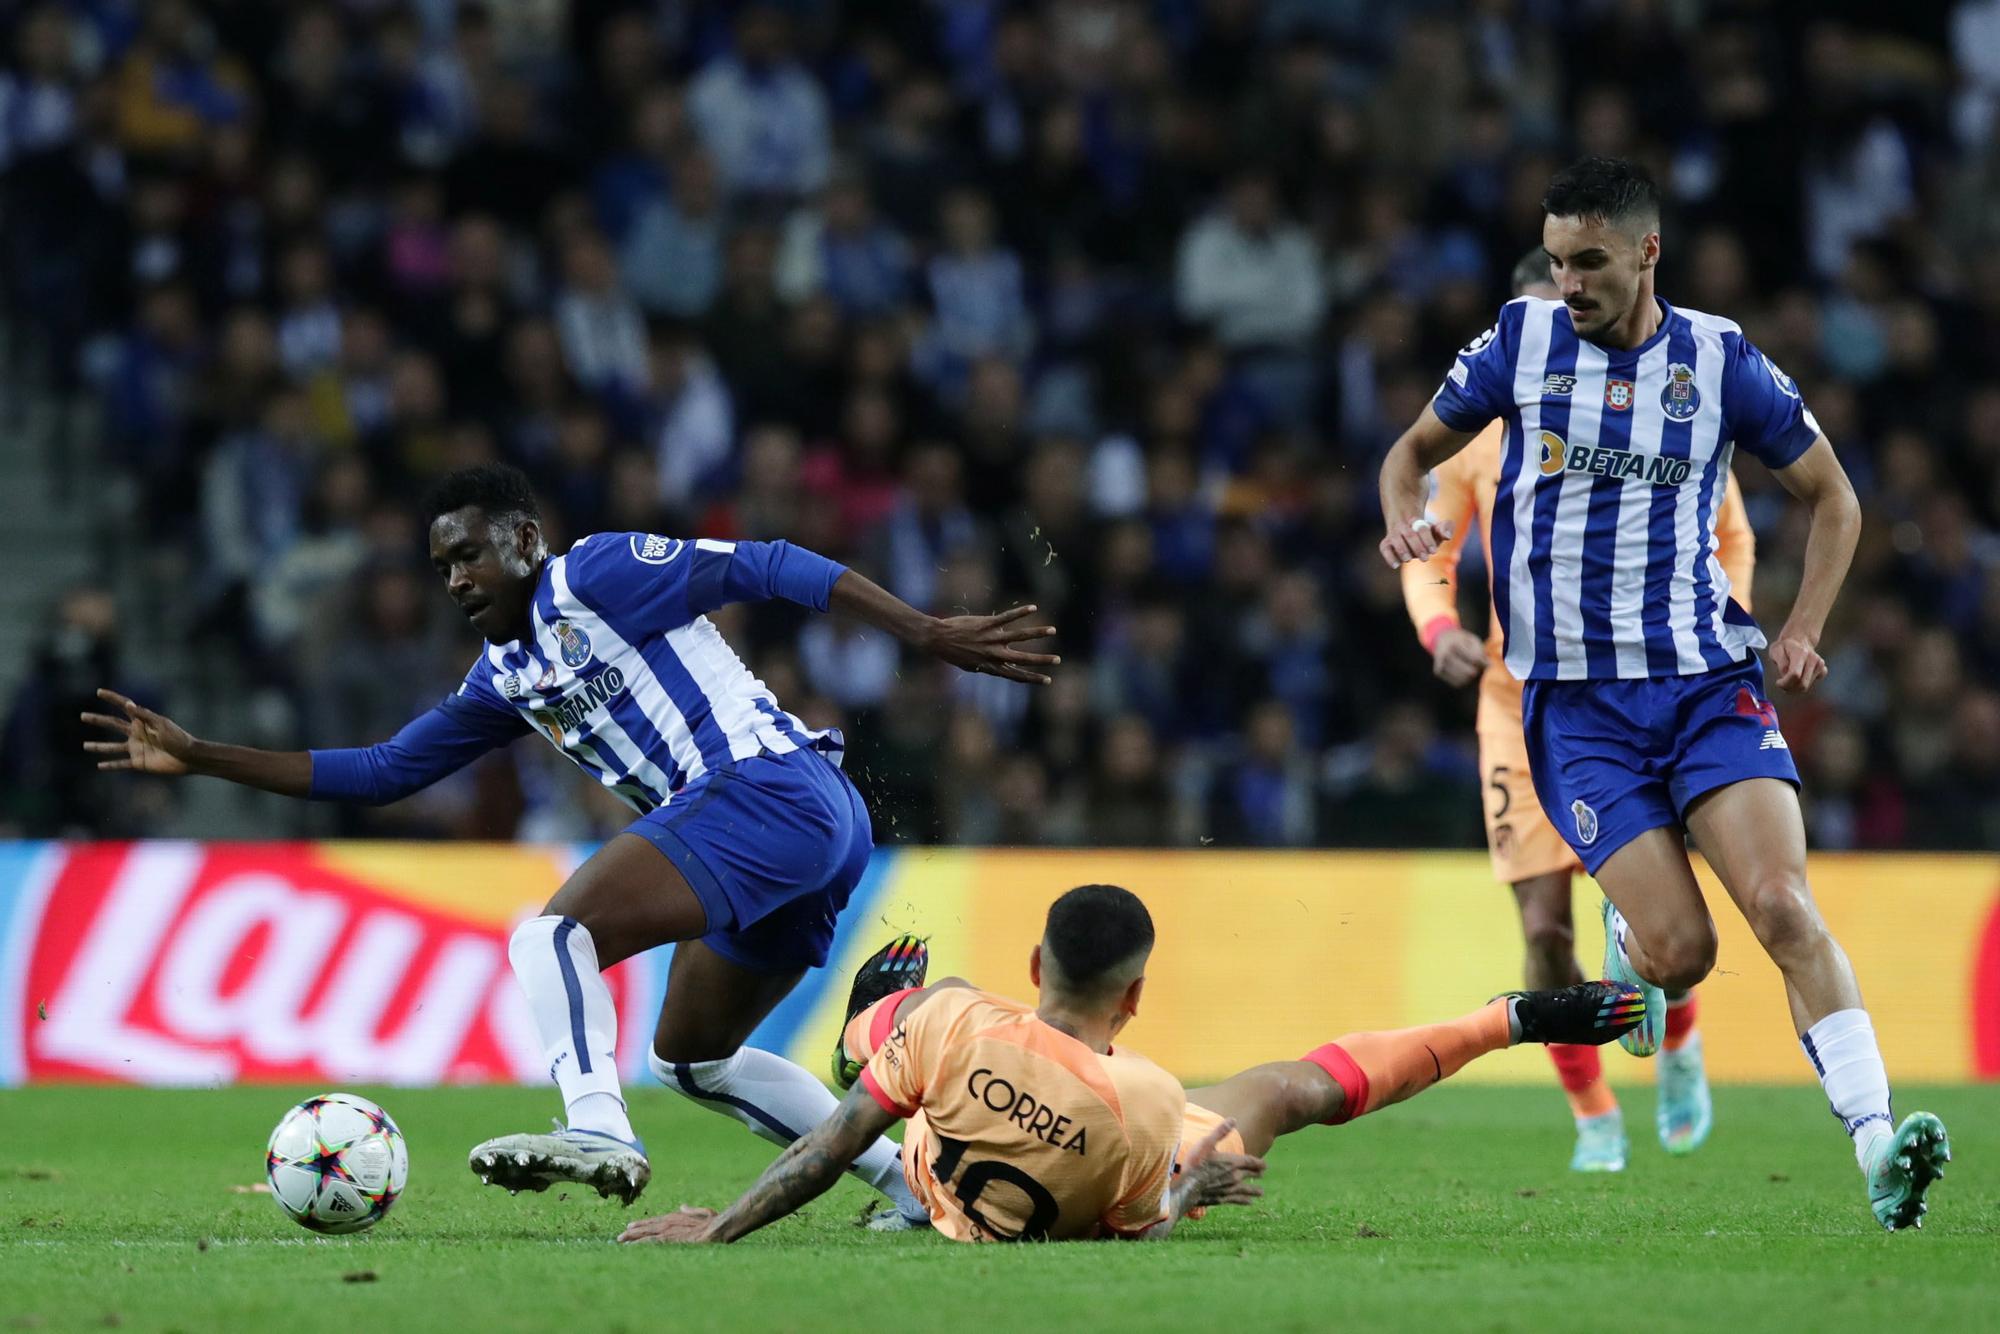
[105,747]
[105,720]
[108,765]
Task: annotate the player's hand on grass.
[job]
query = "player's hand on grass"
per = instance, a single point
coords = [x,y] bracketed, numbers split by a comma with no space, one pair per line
[1413,539]
[152,744]
[1458,657]
[1210,1176]
[1797,661]
[987,644]
[685,1224]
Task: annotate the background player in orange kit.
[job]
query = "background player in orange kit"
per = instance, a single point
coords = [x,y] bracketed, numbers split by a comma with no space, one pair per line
[1528,854]
[1027,1125]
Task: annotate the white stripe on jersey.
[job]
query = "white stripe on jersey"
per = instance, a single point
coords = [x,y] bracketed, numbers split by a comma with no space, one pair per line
[646,689]
[1690,541]
[732,691]
[1635,516]
[1529,368]
[1566,549]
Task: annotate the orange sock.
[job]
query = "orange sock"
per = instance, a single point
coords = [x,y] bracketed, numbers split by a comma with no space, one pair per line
[1680,1022]
[1581,1071]
[1377,1069]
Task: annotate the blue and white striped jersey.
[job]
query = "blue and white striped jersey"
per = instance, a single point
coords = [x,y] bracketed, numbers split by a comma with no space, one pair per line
[1603,543]
[623,672]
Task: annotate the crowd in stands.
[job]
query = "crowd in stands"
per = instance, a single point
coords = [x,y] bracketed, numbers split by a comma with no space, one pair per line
[1110,305]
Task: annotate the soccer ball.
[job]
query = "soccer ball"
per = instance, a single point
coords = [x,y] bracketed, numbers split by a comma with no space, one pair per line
[336,1163]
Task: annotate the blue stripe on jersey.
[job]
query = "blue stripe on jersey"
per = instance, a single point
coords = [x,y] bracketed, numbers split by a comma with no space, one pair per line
[1712,651]
[681,689]
[614,765]
[688,698]
[1555,418]
[1600,532]
[782,721]
[1501,535]
[1676,442]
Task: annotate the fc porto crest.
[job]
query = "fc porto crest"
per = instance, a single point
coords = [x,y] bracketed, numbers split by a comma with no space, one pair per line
[575,644]
[1618,395]
[1680,400]
[1586,821]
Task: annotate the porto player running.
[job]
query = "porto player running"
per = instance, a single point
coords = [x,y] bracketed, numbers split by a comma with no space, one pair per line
[749,838]
[1528,854]
[1644,708]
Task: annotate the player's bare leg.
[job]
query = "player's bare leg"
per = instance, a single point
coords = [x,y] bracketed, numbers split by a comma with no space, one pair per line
[1657,930]
[1753,835]
[1549,933]
[712,1006]
[627,898]
[1365,1072]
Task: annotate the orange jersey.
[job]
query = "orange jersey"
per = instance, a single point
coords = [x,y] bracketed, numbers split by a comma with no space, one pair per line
[1020,1132]
[1466,484]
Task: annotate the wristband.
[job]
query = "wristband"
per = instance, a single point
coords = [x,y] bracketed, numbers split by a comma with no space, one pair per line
[1435,627]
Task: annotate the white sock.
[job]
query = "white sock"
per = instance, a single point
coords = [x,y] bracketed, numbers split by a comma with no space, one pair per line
[780,1101]
[556,962]
[1842,1049]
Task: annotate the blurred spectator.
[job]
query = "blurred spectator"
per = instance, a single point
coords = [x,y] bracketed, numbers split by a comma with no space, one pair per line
[761,113]
[1109,307]
[672,255]
[51,785]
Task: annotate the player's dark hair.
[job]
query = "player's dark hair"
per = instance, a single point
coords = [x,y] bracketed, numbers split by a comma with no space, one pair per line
[499,489]
[1603,189]
[1094,928]
[1532,268]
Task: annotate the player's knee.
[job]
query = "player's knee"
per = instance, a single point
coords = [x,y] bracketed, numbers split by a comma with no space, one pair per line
[1684,956]
[1546,926]
[1781,912]
[1549,935]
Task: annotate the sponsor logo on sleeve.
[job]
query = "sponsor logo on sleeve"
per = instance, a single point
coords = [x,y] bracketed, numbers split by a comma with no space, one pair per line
[1458,374]
[1478,345]
[654,549]
[1786,385]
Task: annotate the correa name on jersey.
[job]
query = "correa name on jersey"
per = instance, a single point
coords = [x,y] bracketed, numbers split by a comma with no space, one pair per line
[1603,545]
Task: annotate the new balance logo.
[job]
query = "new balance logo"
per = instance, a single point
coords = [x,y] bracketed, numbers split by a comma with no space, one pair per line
[1773,740]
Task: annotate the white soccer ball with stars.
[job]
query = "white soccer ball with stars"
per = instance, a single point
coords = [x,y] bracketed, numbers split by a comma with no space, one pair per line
[336,1163]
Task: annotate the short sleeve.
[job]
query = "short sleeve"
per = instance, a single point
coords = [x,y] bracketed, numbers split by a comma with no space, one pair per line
[898,1073]
[641,577]
[1762,408]
[1480,384]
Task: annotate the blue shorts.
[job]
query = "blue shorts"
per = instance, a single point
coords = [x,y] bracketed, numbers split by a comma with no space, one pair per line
[1612,759]
[772,846]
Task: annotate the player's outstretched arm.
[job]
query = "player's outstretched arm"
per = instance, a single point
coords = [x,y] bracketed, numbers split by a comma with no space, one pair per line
[1817,478]
[152,743]
[803,1172]
[1405,488]
[985,644]
[1208,1177]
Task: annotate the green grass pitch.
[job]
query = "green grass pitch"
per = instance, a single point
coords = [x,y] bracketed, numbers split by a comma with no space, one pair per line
[1454,1212]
